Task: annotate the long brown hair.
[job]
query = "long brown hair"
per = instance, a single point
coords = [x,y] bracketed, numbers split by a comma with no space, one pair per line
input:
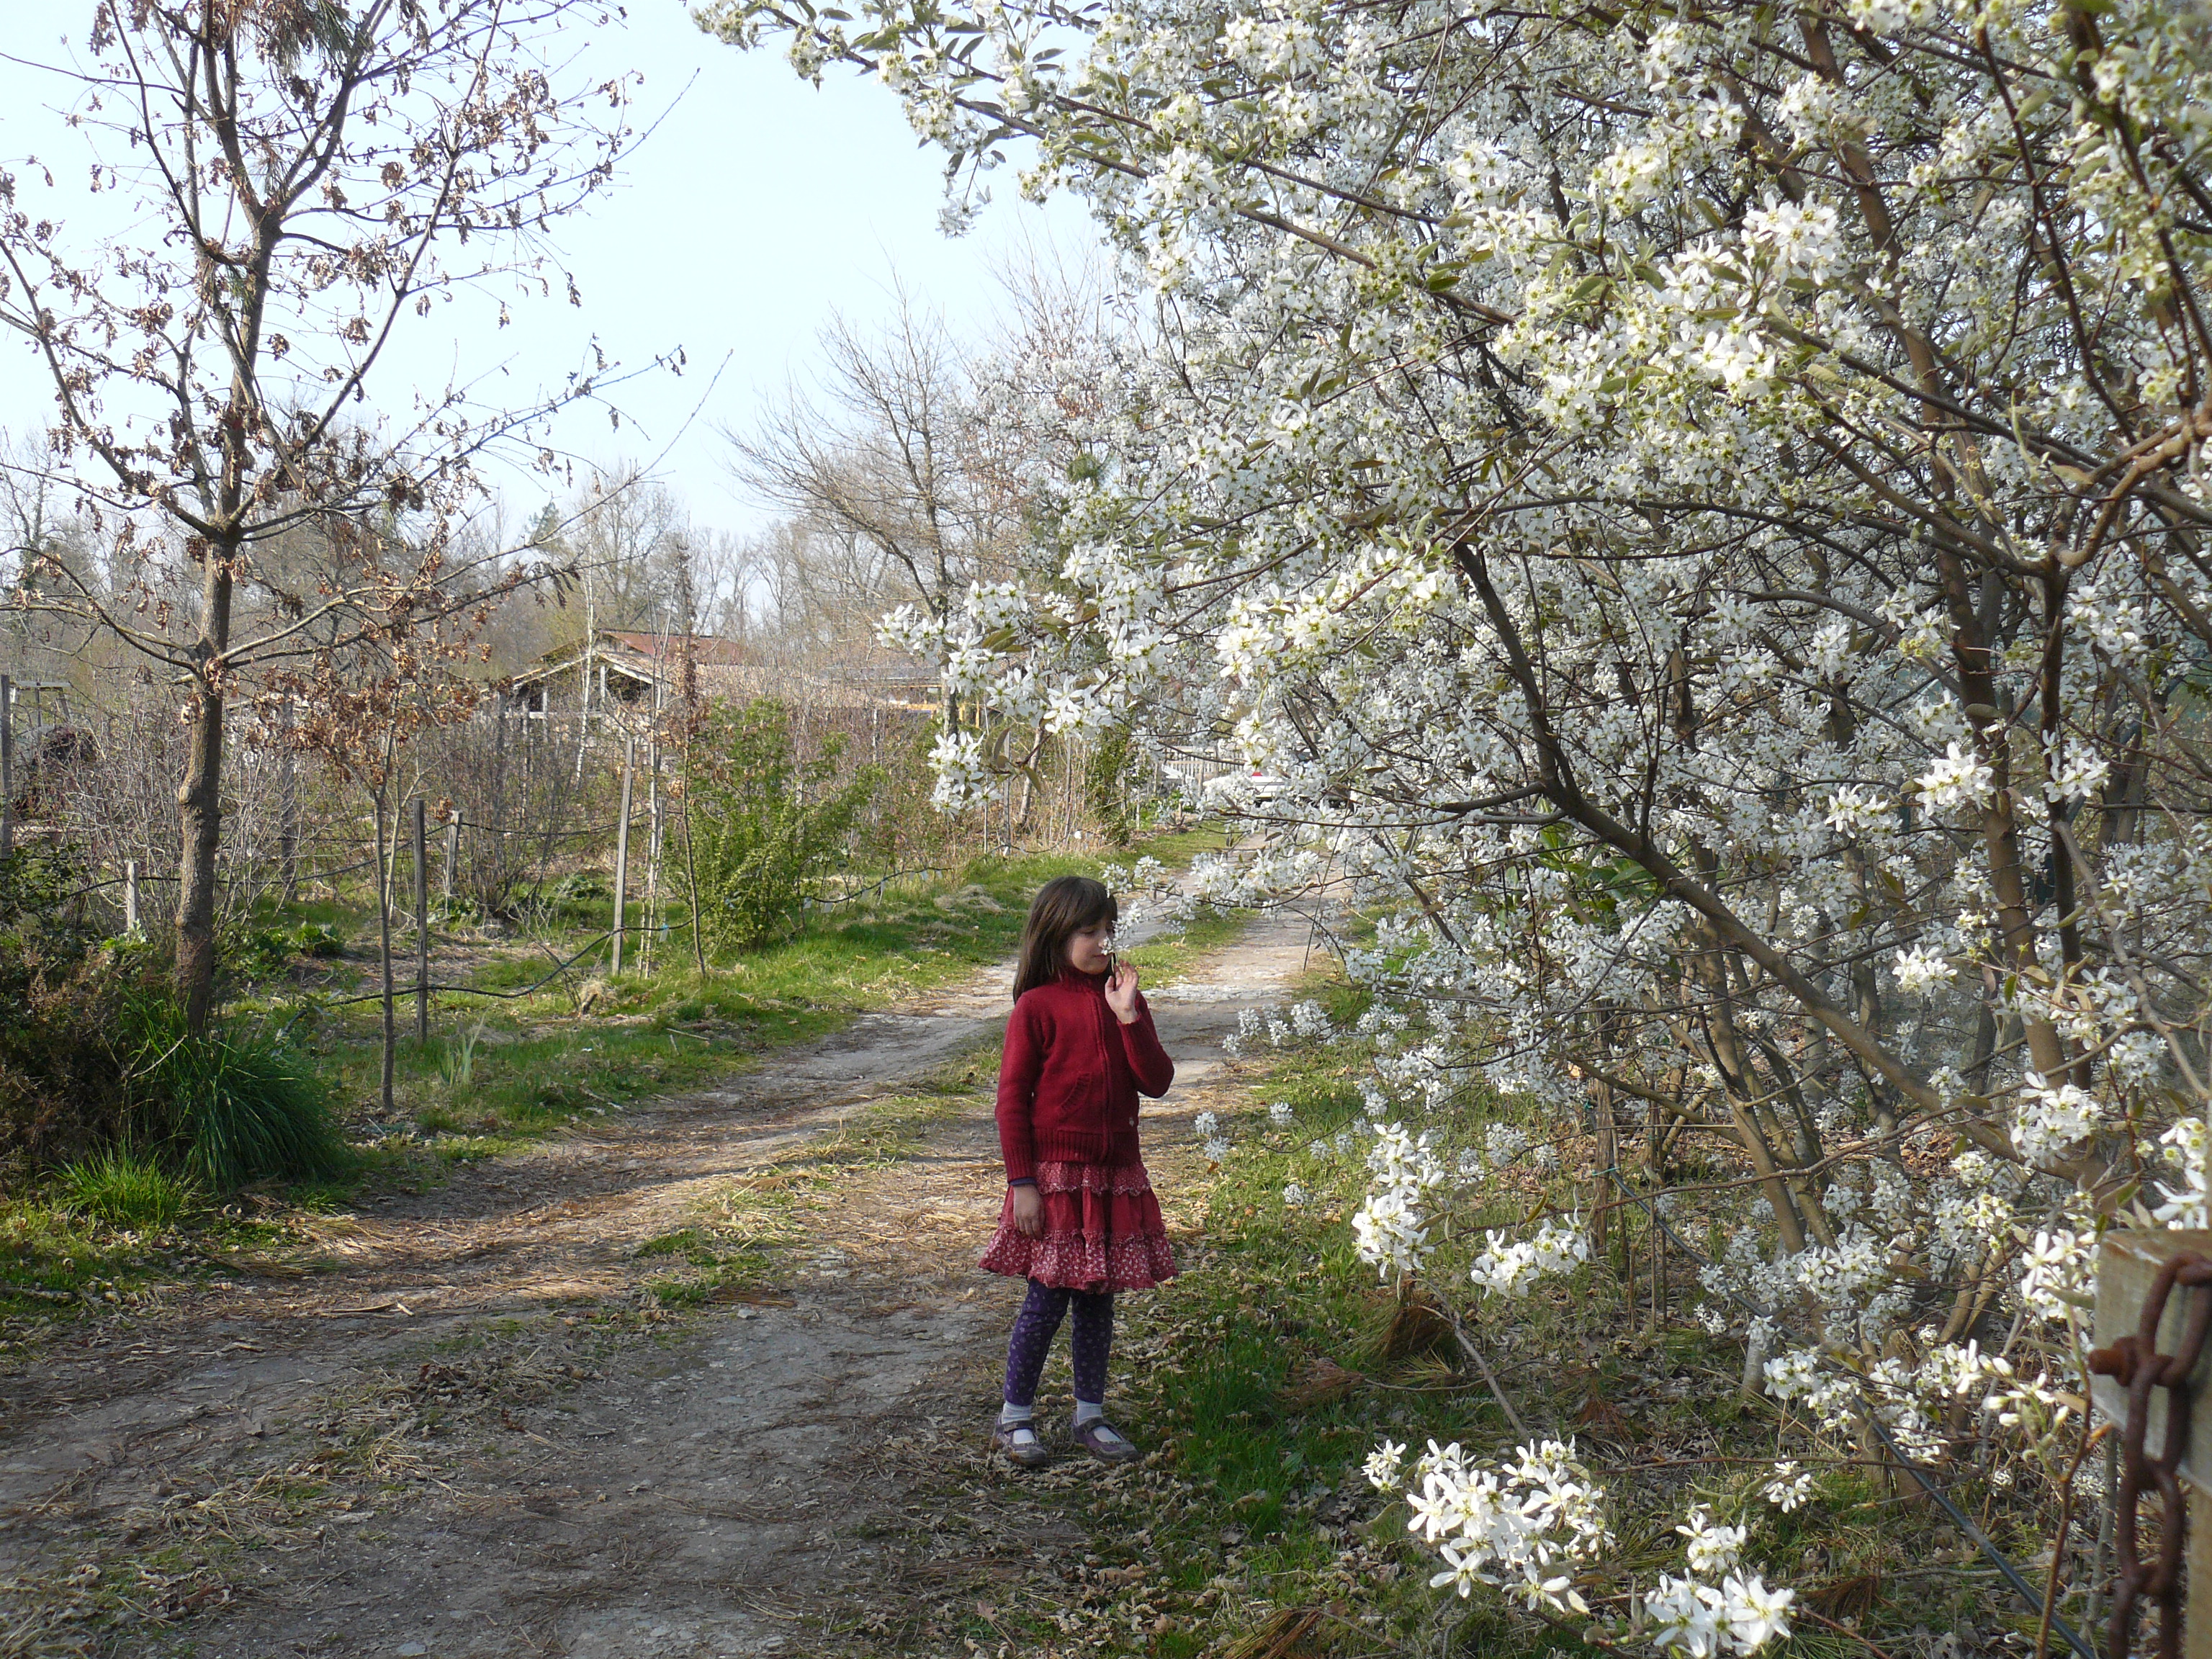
[1063,906]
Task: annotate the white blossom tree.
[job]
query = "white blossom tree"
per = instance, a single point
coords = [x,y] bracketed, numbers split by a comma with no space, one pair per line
[1705,511]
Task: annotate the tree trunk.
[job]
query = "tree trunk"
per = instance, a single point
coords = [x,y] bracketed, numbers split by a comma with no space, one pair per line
[199,818]
[199,797]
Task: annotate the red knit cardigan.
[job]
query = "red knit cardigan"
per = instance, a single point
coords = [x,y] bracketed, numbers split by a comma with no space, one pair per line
[1069,1079]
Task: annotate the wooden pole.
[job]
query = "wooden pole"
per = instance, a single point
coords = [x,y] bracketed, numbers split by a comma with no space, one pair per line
[652,838]
[649,939]
[2127,1264]
[622,850]
[288,842]
[7,768]
[689,665]
[384,936]
[130,896]
[421,930]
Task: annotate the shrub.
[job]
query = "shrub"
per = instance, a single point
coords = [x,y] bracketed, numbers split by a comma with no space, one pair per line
[61,994]
[318,939]
[95,1058]
[766,829]
[258,953]
[236,1103]
[124,1188]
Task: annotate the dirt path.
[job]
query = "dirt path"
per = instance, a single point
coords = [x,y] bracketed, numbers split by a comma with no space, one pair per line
[472,1435]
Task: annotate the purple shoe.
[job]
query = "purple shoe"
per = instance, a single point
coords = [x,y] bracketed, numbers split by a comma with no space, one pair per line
[1021,1443]
[1101,1439]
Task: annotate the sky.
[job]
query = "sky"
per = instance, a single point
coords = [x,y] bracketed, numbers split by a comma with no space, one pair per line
[759,208]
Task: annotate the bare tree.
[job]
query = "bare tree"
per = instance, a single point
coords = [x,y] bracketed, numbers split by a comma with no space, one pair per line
[887,476]
[357,707]
[305,175]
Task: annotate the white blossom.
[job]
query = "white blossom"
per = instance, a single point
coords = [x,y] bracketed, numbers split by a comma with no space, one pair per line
[1791,1488]
[1383,1466]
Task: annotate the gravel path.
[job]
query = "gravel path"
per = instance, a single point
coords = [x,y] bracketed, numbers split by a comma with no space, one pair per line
[469,1435]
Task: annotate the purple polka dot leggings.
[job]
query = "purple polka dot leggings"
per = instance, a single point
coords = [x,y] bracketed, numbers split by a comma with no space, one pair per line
[1036,1326]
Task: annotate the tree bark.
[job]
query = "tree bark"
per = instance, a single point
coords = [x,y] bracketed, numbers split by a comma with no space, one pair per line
[199,818]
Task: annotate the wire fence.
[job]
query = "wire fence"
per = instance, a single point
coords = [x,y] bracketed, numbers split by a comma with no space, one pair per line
[518,806]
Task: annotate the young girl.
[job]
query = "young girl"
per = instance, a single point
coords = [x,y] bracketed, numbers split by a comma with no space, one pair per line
[1080,1221]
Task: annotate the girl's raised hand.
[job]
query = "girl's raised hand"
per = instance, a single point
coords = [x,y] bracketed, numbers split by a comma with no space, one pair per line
[1121,992]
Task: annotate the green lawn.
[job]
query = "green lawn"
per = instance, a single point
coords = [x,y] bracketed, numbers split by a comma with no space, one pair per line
[500,1071]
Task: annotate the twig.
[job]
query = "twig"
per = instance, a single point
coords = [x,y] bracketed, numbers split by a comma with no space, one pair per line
[878,886]
[1843,1630]
[559,968]
[2059,1544]
[1488,1376]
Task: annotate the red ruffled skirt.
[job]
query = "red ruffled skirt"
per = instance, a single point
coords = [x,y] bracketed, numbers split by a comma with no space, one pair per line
[1102,1232]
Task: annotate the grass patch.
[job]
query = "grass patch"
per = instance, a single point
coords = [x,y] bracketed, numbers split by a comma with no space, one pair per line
[49,1258]
[240,1103]
[737,1250]
[126,1188]
[584,1046]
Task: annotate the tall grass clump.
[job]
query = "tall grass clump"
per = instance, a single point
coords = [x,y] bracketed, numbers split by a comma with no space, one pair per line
[235,1101]
[123,1186]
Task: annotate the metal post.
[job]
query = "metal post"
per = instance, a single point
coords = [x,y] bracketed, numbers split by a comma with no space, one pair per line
[622,850]
[130,896]
[7,768]
[422,931]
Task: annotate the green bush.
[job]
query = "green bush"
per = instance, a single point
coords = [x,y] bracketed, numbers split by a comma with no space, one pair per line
[236,1103]
[580,890]
[123,1188]
[766,829]
[258,953]
[318,939]
[61,995]
[99,1079]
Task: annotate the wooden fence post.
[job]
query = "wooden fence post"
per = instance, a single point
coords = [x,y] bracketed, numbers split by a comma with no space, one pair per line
[622,850]
[651,937]
[452,856]
[2129,1264]
[288,819]
[422,931]
[130,896]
